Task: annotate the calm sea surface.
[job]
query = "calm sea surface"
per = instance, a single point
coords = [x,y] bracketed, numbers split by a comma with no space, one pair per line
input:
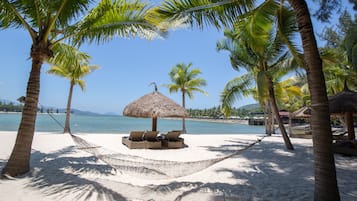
[121,124]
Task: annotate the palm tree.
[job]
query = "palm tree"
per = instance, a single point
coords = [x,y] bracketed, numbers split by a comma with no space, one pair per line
[326,187]
[262,54]
[50,22]
[72,64]
[208,12]
[185,80]
[337,70]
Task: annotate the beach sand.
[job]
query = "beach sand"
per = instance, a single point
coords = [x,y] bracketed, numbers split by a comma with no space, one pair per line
[60,170]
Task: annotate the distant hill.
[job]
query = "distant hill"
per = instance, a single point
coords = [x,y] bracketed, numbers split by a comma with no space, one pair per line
[111,113]
[44,109]
[254,106]
[5,101]
[79,112]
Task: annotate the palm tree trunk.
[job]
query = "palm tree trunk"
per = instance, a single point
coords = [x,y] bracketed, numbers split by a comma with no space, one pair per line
[19,161]
[272,125]
[324,163]
[67,128]
[277,116]
[183,118]
[268,120]
[350,127]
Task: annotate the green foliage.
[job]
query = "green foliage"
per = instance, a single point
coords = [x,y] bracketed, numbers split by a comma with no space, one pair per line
[10,107]
[185,80]
[204,12]
[215,112]
[70,63]
[117,18]
[339,54]
[259,44]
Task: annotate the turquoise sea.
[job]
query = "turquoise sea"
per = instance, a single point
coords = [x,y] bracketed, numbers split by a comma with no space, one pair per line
[121,124]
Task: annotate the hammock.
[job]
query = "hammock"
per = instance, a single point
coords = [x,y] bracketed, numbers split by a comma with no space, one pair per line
[150,168]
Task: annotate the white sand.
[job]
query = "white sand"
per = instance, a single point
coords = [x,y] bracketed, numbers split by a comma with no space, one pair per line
[266,171]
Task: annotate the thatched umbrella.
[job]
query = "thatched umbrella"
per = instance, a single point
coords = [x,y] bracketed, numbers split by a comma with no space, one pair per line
[154,105]
[303,113]
[345,103]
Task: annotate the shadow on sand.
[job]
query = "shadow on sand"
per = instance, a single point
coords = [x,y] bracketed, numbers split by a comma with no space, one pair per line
[265,172]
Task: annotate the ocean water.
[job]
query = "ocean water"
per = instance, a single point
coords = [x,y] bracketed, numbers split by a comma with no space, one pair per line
[121,124]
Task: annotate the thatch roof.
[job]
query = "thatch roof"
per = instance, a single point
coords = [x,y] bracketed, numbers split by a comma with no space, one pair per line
[344,101]
[154,105]
[304,112]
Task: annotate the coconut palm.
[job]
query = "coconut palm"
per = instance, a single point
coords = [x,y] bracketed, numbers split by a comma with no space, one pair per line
[262,54]
[185,80]
[196,12]
[72,64]
[325,171]
[50,22]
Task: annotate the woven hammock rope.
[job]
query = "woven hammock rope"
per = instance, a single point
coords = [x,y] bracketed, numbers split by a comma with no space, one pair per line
[150,168]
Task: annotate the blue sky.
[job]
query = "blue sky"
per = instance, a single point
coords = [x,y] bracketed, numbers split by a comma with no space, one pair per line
[127,67]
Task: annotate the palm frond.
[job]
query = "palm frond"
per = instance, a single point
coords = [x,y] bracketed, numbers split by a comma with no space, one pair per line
[241,55]
[219,13]
[116,18]
[255,27]
[67,55]
[70,63]
[235,90]
[13,14]
[287,30]
[173,88]
[81,84]
[261,80]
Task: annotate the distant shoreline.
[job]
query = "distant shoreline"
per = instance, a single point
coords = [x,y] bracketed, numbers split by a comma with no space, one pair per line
[230,121]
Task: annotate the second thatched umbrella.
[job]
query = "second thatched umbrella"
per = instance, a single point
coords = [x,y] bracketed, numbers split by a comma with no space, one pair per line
[154,105]
[303,113]
[345,102]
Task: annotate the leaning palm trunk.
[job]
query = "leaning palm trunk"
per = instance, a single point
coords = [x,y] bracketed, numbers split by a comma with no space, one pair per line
[19,161]
[277,116]
[272,113]
[324,163]
[67,128]
[183,118]
[268,119]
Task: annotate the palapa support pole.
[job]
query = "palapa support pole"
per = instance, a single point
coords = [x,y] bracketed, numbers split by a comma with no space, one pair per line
[350,127]
[154,124]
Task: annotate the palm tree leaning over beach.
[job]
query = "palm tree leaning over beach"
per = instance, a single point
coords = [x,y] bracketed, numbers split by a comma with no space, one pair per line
[263,54]
[209,13]
[50,22]
[72,64]
[185,80]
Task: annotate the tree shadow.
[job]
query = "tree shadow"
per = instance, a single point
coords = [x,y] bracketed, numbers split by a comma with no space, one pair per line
[264,172]
[57,175]
[230,147]
[266,176]
[269,168]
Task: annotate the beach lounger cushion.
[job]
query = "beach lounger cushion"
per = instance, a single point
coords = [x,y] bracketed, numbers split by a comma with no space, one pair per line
[136,135]
[150,135]
[173,135]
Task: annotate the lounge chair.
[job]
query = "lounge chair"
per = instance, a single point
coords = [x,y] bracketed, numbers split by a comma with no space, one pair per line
[151,140]
[151,135]
[136,135]
[173,135]
[134,140]
[173,141]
